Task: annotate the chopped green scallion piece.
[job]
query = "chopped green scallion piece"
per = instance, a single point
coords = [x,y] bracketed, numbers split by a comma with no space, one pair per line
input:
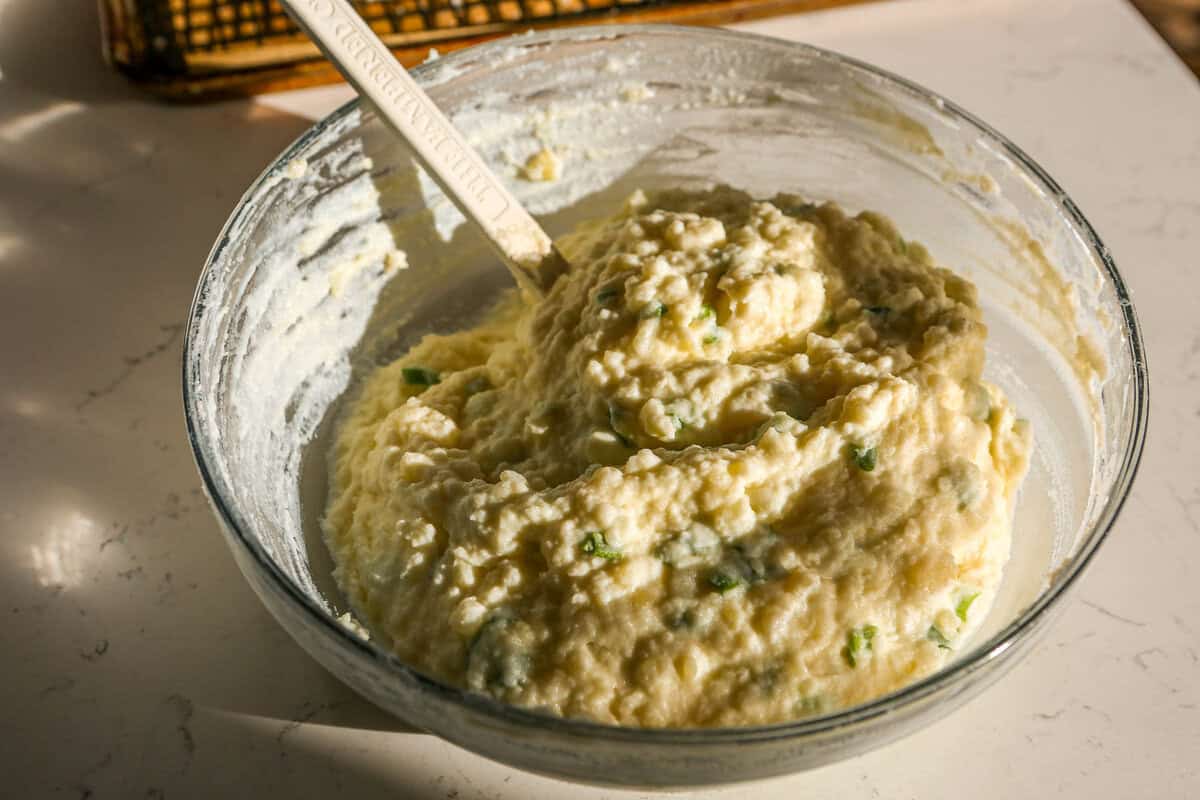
[420,376]
[655,310]
[594,544]
[607,295]
[709,313]
[723,581]
[615,413]
[964,606]
[858,640]
[864,457]
[935,635]
[879,309]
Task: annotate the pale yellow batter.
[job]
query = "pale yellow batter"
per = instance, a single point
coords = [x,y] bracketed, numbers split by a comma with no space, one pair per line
[738,467]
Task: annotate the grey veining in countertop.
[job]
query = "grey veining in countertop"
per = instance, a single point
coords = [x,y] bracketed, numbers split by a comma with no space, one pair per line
[137,664]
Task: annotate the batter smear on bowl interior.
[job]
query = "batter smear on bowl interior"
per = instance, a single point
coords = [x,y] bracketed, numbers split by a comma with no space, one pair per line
[736,468]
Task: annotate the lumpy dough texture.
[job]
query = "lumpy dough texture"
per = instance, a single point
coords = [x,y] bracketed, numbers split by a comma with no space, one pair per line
[737,467]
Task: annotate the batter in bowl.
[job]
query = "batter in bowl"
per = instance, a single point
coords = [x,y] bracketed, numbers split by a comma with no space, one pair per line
[738,467]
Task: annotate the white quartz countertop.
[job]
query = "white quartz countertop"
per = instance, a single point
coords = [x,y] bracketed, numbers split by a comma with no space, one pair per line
[135,661]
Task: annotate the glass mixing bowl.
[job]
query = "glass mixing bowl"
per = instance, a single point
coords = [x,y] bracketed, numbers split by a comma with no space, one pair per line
[306,290]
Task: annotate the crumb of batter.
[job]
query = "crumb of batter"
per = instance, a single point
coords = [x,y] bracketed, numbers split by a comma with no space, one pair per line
[544,165]
[739,466]
[394,260]
[296,169]
[636,92]
[348,622]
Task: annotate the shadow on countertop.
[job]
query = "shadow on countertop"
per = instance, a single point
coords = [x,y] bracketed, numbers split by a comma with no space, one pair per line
[127,672]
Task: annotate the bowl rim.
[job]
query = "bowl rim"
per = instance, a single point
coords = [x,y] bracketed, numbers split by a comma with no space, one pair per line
[1025,625]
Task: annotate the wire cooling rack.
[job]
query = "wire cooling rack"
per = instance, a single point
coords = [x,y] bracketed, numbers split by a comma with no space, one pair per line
[185,49]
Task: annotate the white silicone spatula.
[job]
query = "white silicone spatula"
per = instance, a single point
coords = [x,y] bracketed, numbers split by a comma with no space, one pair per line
[370,67]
